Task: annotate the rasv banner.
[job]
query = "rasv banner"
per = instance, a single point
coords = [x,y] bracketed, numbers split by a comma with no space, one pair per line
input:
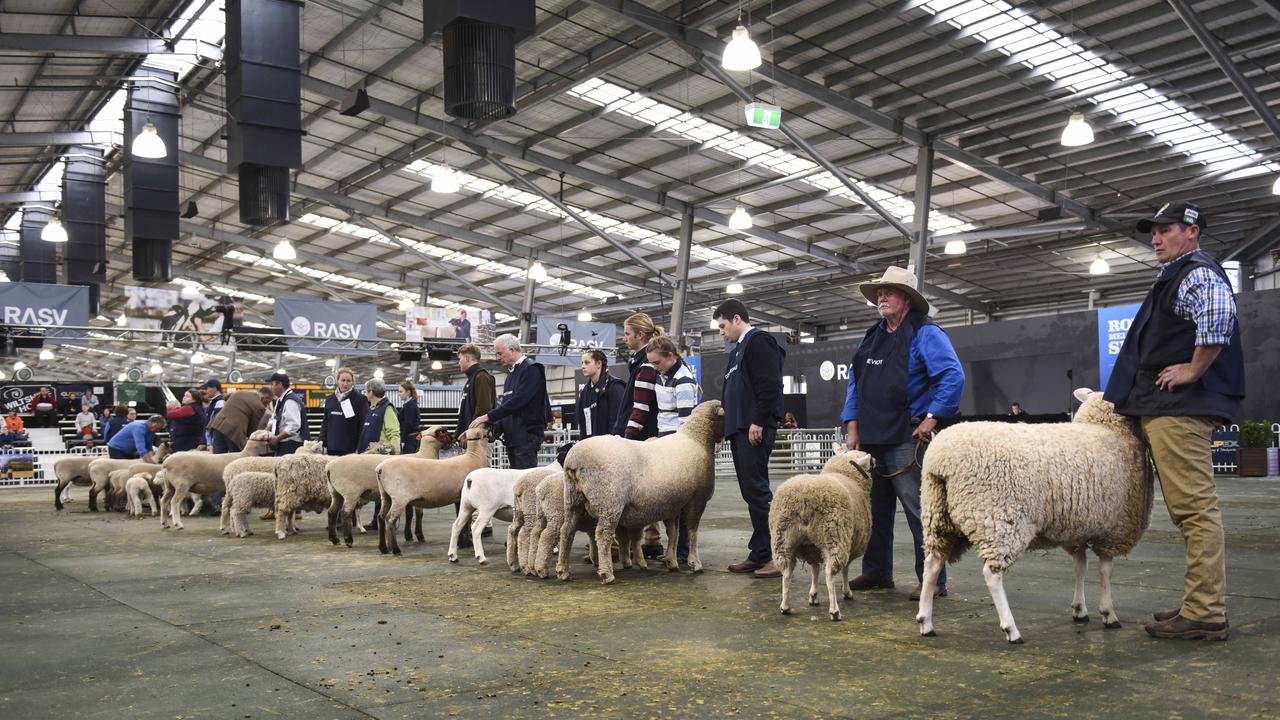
[321,319]
[46,306]
[1113,326]
[573,336]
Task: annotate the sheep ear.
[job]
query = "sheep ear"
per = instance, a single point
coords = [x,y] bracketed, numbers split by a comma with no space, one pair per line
[1082,394]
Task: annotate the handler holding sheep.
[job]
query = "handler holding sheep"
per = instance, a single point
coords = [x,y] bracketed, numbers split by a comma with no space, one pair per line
[904,375]
[524,411]
[1181,371]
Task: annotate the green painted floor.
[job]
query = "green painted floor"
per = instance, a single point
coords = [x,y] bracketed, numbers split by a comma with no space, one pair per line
[104,617]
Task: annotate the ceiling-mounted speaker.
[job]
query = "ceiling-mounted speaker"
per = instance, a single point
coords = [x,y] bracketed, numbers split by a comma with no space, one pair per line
[22,374]
[330,382]
[479,44]
[134,375]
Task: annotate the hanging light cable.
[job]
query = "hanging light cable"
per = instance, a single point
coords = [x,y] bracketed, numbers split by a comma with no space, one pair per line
[1077,132]
[148,143]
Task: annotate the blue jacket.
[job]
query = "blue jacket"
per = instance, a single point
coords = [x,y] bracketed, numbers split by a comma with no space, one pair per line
[753,383]
[935,378]
[134,438]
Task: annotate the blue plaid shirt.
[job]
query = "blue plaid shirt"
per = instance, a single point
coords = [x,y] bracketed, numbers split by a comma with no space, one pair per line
[1205,298]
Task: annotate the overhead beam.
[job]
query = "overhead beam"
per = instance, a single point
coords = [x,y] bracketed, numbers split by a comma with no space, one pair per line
[712,47]
[1244,249]
[39,139]
[108,45]
[29,196]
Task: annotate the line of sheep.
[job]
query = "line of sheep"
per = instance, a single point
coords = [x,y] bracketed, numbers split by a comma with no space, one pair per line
[1000,488]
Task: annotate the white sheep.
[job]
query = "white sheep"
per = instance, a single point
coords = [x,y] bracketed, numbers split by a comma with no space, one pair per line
[352,479]
[824,520]
[139,490]
[632,484]
[100,470]
[415,482]
[1005,488]
[245,491]
[200,472]
[263,463]
[523,512]
[73,469]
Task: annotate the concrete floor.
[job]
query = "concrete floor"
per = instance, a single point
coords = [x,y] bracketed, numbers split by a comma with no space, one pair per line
[104,617]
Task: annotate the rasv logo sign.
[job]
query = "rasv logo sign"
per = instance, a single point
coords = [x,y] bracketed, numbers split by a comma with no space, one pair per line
[34,316]
[344,331]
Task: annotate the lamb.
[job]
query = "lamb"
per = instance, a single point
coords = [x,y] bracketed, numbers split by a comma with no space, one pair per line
[489,493]
[414,482]
[1009,488]
[523,512]
[201,473]
[824,520]
[100,469]
[245,491]
[352,481]
[632,484]
[549,520]
[139,490]
[265,463]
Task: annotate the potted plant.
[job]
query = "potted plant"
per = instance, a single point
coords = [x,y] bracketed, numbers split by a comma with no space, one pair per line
[1251,457]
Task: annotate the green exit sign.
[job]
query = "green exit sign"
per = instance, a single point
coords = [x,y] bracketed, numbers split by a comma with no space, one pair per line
[763,115]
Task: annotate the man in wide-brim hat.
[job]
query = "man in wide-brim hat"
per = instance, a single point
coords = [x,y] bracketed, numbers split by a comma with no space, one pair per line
[903,377]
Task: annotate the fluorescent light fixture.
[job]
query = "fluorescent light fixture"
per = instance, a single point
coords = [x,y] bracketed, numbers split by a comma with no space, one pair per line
[445,180]
[1077,132]
[405,304]
[284,251]
[53,231]
[740,219]
[156,368]
[148,144]
[1099,267]
[734,288]
[378,373]
[741,53]
[46,354]
[954,247]
[538,272]
[437,365]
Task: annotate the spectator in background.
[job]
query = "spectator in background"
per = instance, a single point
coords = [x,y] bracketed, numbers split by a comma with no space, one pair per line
[789,422]
[44,409]
[410,419]
[600,398]
[188,422]
[91,400]
[1016,411]
[114,422]
[137,440]
[241,414]
[479,395]
[214,401]
[132,414]
[86,425]
[14,430]
[344,414]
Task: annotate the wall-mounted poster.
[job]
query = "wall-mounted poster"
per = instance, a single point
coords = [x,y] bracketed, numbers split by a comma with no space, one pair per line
[453,323]
[185,310]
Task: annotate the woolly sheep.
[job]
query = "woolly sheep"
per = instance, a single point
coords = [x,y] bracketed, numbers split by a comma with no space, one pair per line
[1006,488]
[139,491]
[302,484]
[73,469]
[100,469]
[201,473]
[489,493]
[632,484]
[548,521]
[824,520]
[523,511]
[414,482]
[263,463]
[245,491]
[352,480]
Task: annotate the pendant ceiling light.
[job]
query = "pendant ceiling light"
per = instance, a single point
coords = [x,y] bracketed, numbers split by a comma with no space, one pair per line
[445,180]
[148,143]
[437,365]
[733,289]
[197,358]
[584,316]
[379,373]
[405,304]
[122,377]
[537,272]
[740,219]
[19,365]
[1099,267]
[1275,188]
[284,251]
[742,53]
[955,247]
[121,320]
[53,231]
[1077,132]
[46,354]
[156,368]
[715,325]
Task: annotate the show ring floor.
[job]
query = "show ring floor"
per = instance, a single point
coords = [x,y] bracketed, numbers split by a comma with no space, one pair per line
[105,617]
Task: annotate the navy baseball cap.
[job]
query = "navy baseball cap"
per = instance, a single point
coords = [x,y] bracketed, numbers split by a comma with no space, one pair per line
[279,377]
[1174,212]
[212,383]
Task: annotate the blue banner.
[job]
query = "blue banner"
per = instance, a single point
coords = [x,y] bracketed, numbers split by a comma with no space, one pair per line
[1113,326]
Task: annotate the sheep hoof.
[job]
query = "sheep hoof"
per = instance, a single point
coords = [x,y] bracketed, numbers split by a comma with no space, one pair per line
[836,616]
[420,538]
[786,610]
[395,551]
[607,580]
[483,561]
[453,558]
[931,633]
[1113,625]
[562,576]
[813,600]
[1016,641]
[1080,618]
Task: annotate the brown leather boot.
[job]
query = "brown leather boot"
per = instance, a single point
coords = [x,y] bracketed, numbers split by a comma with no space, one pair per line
[1180,628]
[766,571]
[871,582]
[1162,615]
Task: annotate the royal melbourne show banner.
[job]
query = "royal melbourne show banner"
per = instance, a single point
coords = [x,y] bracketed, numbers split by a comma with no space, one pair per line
[47,306]
[185,310]
[322,319]
[572,337]
[1113,326]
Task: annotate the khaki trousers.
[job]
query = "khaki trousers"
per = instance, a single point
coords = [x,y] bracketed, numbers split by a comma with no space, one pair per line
[1181,449]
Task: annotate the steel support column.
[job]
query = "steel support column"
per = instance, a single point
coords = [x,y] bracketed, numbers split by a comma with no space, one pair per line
[682,275]
[924,191]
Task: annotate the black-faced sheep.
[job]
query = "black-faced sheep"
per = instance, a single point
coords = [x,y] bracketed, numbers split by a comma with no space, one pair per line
[1006,488]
